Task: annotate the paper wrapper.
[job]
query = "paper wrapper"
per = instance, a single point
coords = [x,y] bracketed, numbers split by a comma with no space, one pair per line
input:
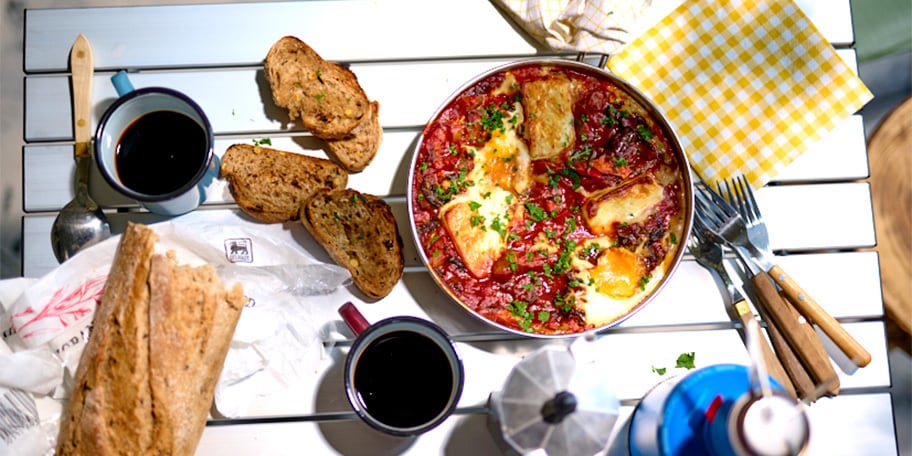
[748,85]
[601,26]
[46,322]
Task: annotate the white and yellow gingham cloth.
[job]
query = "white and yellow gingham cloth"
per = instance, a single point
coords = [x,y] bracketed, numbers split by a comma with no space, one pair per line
[748,85]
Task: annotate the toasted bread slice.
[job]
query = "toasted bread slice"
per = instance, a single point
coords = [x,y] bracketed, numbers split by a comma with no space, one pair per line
[326,96]
[360,234]
[356,152]
[272,185]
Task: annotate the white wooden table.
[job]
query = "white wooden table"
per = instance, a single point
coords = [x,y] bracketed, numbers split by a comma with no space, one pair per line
[410,55]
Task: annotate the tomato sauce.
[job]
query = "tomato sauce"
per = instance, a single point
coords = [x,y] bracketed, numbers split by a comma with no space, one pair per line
[531,288]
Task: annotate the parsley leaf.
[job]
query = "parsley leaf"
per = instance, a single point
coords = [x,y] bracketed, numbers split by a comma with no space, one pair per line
[686,360]
[645,132]
[537,213]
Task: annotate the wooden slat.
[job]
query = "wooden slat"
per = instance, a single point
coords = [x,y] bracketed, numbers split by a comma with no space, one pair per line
[235,35]
[408,93]
[851,289]
[48,168]
[487,364]
[839,155]
[468,433]
[250,109]
[818,209]
[793,218]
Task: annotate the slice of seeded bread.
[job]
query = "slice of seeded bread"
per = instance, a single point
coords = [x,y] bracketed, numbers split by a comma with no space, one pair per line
[272,185]
[356,152]
[326,96]
[360,234]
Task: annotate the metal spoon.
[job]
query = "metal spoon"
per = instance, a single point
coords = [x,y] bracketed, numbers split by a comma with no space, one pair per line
[81,222]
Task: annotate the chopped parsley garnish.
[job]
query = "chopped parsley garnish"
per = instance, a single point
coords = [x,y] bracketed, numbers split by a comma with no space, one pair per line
[563,261]
[645,132]
[520,309]
[455,184]
[511,260]
[474,206]
[644,280]
[262,142]
[564,303]
[492,119]
[686,360]
[537,213]
[580,155]
[424,166]
[497,226]
[591,250]
[573,176]
[620,162]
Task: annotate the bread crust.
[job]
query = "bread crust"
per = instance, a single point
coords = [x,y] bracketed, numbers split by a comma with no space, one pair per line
[271,185]
[147,376]
[324,95]
[111,405]
[356,152]
[192,320]
[359,232]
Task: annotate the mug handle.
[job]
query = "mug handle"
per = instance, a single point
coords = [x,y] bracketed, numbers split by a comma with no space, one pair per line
[353,318]
[122,83]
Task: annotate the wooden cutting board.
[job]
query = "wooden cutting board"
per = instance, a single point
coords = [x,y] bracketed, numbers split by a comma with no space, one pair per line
[890,158]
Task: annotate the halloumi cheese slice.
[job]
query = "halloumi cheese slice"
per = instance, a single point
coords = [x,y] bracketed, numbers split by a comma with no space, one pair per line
[630,202]
[548,104]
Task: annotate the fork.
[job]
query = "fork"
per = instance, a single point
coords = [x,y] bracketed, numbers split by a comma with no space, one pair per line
[710,255]
[800,337]
[729,223]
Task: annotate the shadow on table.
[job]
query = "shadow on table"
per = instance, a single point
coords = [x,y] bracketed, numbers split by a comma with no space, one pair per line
[351,437]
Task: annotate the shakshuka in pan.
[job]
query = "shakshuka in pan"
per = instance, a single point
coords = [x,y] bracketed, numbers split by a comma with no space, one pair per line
[549,198]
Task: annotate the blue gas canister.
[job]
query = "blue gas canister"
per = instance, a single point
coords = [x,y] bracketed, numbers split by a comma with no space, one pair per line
[715,411]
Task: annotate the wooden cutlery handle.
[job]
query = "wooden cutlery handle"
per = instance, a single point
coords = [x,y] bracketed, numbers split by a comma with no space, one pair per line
[812,311]
[82,68]
[800,335]
[773,366]
[801,380]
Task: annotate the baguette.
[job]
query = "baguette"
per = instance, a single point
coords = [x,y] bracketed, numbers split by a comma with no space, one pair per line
[147,376]
[324,95]
[360,234]
[356,152]
[271,185]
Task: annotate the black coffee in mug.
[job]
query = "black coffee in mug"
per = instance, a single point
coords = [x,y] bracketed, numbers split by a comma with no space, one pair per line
[404,379]
[403,375]
[155,146]
[160,152]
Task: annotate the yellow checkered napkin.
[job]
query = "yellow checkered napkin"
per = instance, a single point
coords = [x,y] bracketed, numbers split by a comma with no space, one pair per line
[748,85]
